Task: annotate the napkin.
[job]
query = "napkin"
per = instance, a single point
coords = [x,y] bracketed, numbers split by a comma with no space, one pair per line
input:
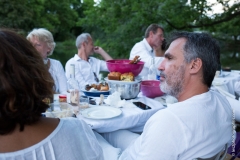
[115,100]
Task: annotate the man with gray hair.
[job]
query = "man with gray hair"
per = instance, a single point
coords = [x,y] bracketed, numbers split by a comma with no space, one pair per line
[87,68]
[200,124]
[154,37]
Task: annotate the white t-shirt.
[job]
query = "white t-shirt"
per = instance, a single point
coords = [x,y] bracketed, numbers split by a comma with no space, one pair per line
[145,51]
[84,70]
[71,140]
[58,74]
[198,127]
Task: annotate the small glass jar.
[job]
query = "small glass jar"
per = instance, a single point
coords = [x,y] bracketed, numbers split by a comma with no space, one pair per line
[63,98]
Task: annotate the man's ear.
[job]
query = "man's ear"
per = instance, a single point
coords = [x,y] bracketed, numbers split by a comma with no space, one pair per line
[195,65]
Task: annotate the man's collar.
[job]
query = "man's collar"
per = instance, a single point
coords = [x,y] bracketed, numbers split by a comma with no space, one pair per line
[77,58]
[149,48]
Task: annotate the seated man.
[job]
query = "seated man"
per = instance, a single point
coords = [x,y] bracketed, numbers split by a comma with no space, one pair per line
[154,38]
[87,68]
[200,124]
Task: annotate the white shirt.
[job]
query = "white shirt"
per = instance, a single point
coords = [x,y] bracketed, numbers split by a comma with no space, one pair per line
[198,127]
[237,87]
[71,140]
[58,74]
[84,70]
[145,51]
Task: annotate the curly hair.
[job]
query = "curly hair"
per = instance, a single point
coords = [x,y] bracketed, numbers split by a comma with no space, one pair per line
[24,82]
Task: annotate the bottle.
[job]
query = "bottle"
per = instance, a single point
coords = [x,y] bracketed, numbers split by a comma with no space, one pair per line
[152,71]
[73,87]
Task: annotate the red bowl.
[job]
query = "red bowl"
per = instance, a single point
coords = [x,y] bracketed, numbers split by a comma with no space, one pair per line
[123,66]
[151,88]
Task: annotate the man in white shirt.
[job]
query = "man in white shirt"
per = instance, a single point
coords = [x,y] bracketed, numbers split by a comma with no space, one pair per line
[153,38]
[87,68]
[200,124]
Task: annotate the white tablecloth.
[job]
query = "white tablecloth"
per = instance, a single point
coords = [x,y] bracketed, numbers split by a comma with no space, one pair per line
[227,82]
[132,119]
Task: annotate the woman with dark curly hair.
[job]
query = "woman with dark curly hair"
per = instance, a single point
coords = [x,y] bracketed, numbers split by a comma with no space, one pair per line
[24,133]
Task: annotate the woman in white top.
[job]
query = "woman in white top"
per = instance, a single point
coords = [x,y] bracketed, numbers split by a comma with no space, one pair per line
[42,40]
[24,133]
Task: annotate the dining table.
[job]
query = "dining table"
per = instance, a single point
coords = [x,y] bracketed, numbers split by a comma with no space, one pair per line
[131,118]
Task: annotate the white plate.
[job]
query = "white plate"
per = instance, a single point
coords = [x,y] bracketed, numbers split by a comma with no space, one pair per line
[101,112]
[136,80]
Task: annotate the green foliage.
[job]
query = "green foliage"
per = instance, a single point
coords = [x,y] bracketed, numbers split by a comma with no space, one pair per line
[116,25]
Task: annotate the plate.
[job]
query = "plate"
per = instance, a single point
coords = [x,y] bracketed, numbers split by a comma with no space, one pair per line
[136,80]
[95,93]
[101,112]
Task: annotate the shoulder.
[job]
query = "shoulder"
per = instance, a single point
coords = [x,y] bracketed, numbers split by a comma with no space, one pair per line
[95,60]
[54,61]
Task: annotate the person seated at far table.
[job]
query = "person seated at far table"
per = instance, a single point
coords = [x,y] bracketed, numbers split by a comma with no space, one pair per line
[24,133]
[42,40]
[154,37]
[200,124]
[87,68]
[160,50]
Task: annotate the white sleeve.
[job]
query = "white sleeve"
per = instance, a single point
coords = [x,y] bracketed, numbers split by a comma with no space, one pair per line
[89,147]
[158,140]
[61,78]
[237,87]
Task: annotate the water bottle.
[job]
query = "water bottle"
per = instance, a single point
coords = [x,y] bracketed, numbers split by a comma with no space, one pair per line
[73,87]
[152,71]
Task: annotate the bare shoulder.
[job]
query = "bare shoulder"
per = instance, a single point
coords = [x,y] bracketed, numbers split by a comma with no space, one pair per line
[31,135]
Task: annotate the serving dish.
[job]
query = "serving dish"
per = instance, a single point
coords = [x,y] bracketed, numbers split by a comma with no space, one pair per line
[95,93]
[123,66]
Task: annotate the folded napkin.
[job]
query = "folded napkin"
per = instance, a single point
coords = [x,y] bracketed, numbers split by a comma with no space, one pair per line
[115,101]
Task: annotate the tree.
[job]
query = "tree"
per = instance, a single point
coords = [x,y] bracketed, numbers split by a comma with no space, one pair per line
[120,24]
[24,15]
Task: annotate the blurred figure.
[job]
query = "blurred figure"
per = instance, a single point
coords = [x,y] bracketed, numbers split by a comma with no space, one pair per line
[42,40]
[87,68]
[24,133]
[154,37]
[160,50]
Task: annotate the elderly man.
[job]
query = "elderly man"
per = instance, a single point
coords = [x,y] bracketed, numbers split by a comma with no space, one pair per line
[87,68]
[154,38]
[200,124]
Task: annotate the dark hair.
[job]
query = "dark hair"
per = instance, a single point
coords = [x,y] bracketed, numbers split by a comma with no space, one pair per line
[24,82]
[153,28]
[203,46]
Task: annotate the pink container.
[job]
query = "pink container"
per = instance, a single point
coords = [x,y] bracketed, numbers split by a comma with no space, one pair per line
[151,88]
[123,66]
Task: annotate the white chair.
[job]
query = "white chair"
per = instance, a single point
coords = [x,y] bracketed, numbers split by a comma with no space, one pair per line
[220,156]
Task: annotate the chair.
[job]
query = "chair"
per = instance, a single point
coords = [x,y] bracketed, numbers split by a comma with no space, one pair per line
[220,156]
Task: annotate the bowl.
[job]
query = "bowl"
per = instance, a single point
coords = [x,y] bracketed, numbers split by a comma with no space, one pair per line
[95,93]
[128,90]
[123,66]
[151,88]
